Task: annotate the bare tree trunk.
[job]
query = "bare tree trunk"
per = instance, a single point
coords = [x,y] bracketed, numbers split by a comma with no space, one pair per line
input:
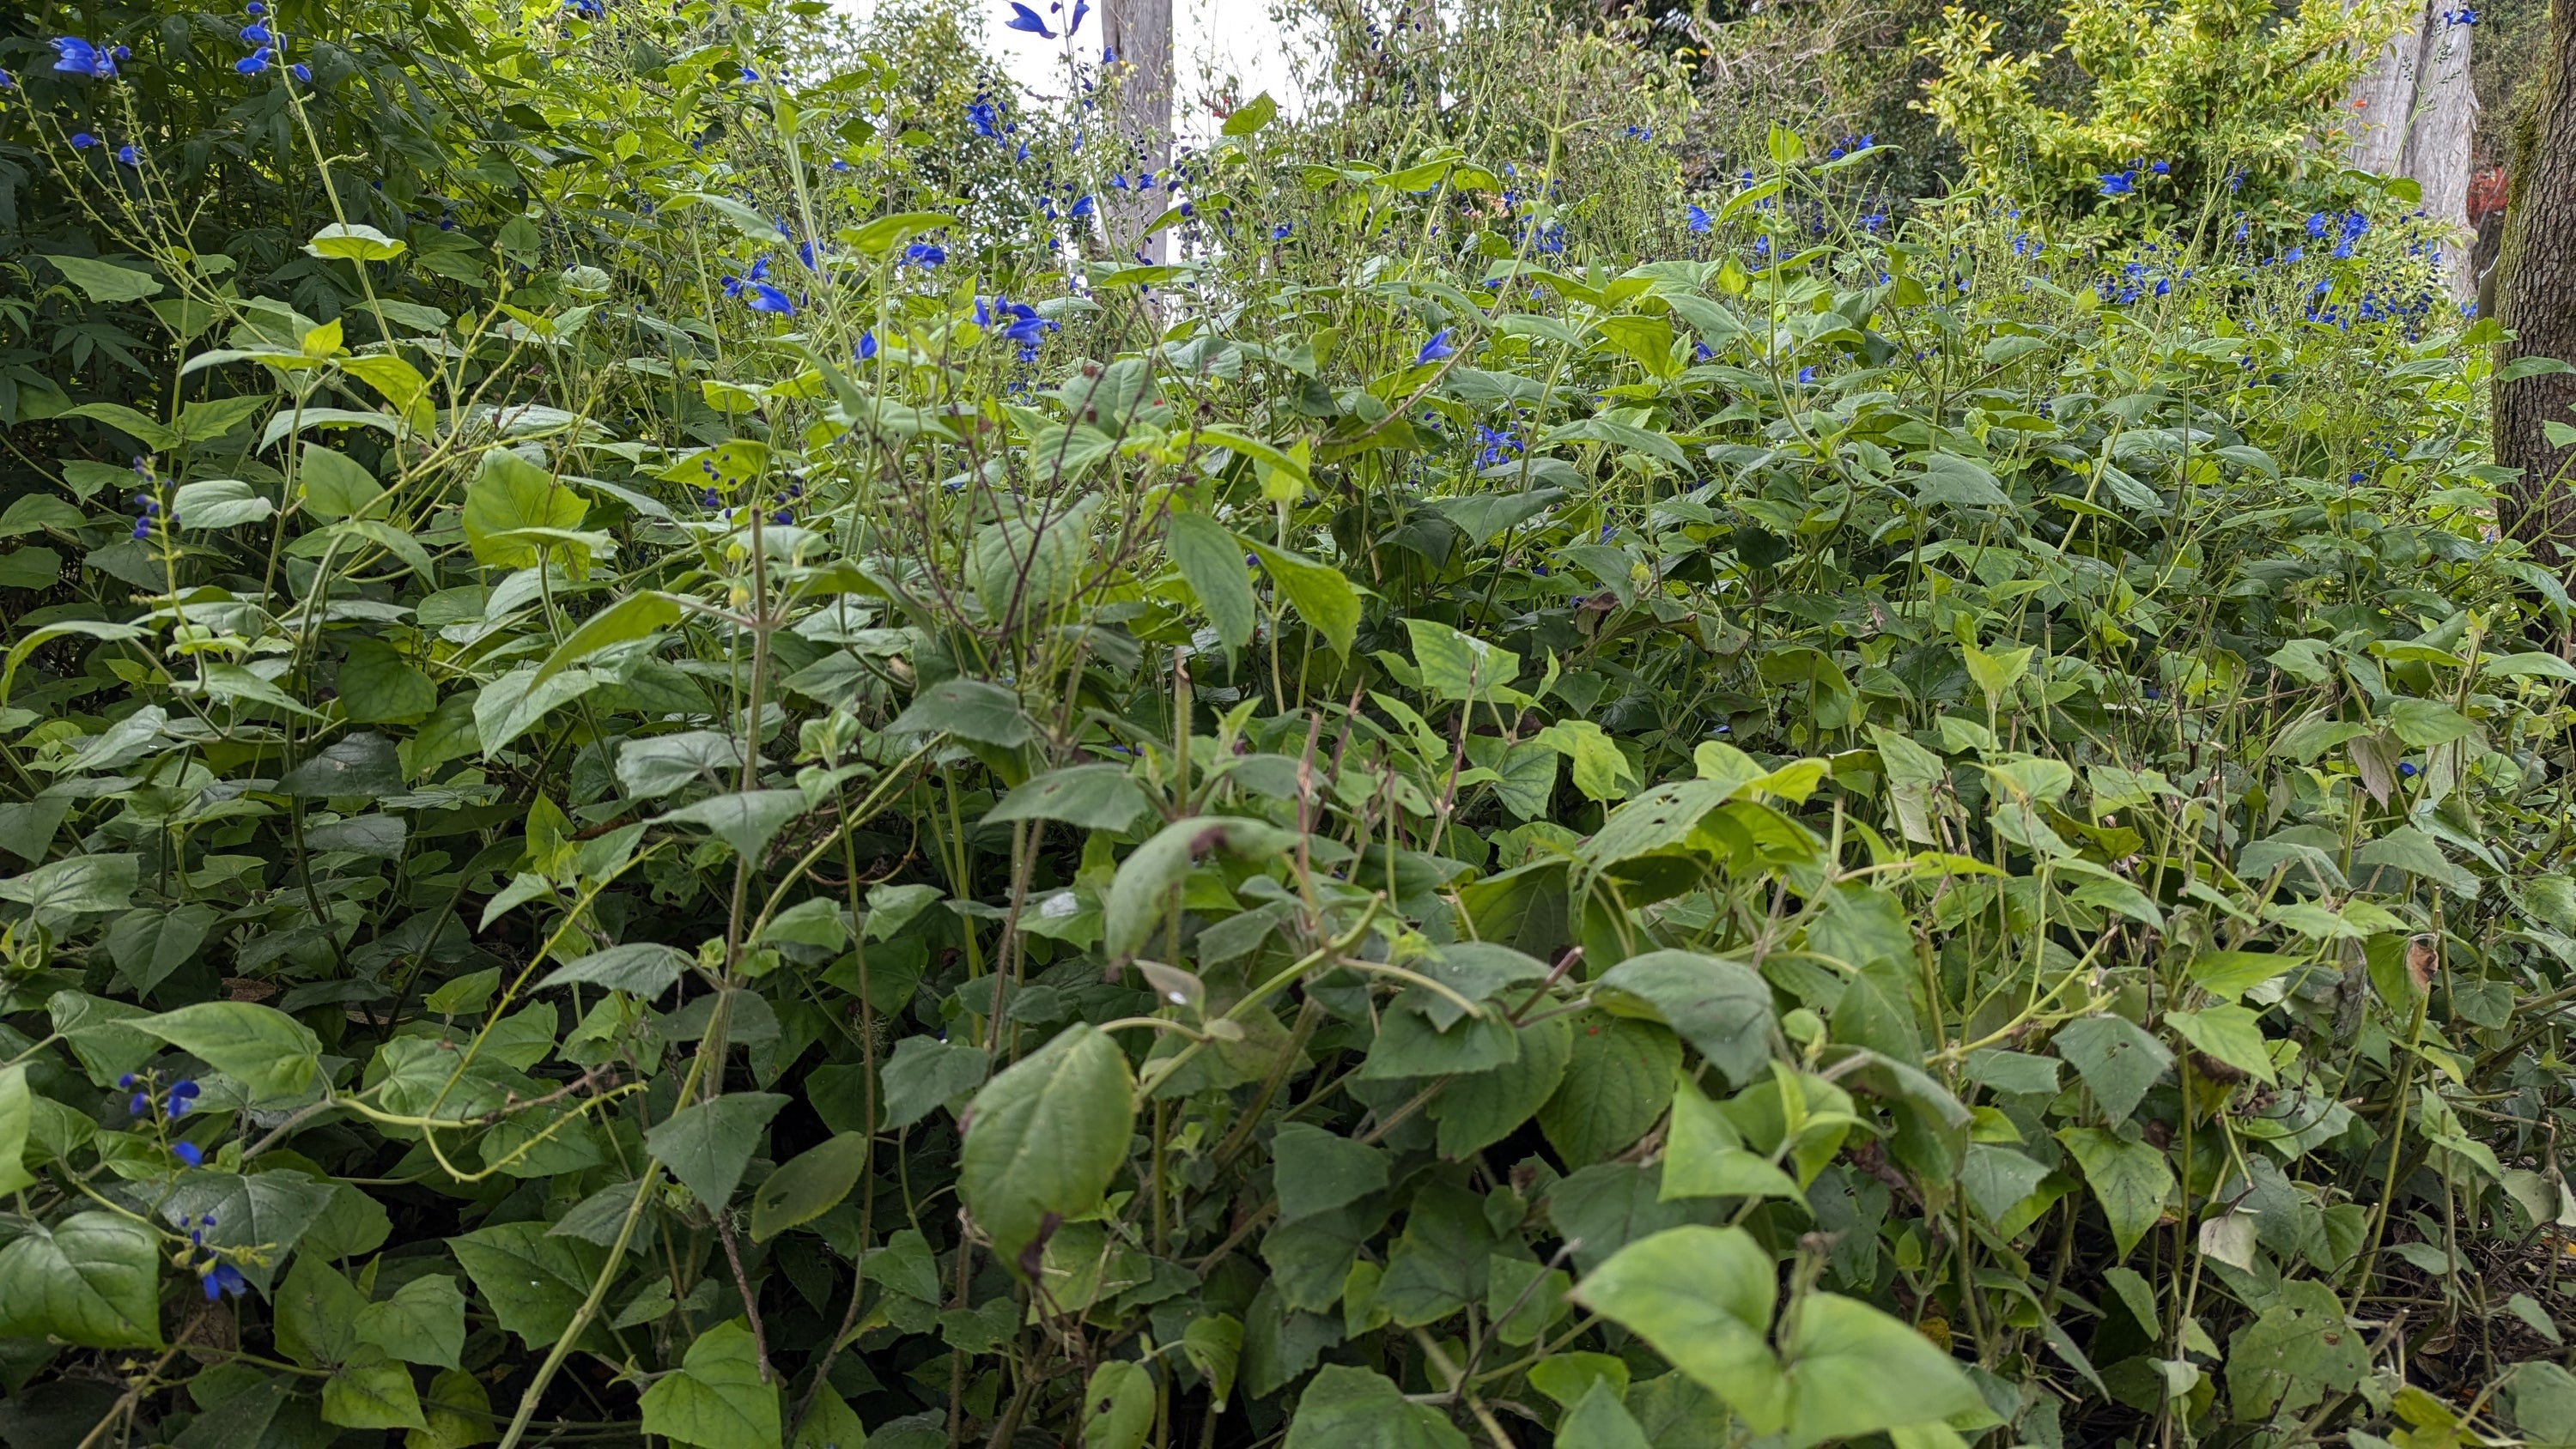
[2383,101]
[2415,115]
[2538,303]
[2440,146]
[1139,33]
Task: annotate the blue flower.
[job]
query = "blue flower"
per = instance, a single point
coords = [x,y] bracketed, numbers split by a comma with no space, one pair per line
[182,1095]
[1806,375]
[1082,206]
[1281,231]
[1699,222]
[840,165]
[2119,183]
[256,34]
[766,298]
[127,154]
[126,1081]
[83,140]
[2295,254]
[8,82]
[219,1278]
[1081,8]
[2316,223]
[749,75]
[2154,693]
[140,1102]
[2406,769]
[805,254]
[2161,168]
[301,72]
[253,63]
[983,118]
[867,346]
[1435,349]
[75,56]
[189,1153]
[925,254]
[1025,19]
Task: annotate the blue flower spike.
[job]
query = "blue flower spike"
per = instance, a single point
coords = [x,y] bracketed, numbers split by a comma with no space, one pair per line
[1026,20]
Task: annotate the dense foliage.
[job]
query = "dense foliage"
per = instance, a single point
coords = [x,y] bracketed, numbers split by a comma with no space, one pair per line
[682,767]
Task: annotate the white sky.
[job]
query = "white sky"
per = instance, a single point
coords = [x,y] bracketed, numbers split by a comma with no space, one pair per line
[1214,37]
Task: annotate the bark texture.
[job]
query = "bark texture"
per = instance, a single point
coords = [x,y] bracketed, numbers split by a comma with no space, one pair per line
[1139,33]
[2537,303]
[2414,114]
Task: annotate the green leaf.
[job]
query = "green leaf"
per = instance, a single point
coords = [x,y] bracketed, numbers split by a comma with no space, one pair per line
[1618,1082]
[371,1391]
[271,1053]
[17,1113]
[264,1215]
[377,685]
[1214,1345]
[1436,1267]
[360,764]
[717,1399]
[2291,1356]
[105,281]
[2117,1060]
[632,617]
[1705,1156]
[510,494]
[1118,1406]
[1315,1171]
[1478,1110]
[458,1410]
[533,1283]
[1853,1370]
[61,893]
[1720,1006]
[1598,1420]
[1460,666]
[2232,1035]
[1213,563]
[1352,1408]
[643,968]
[829,1423]
[1997,1179]
[1089,797]
[354,243]
[1318,592]
[808,1185]
[708,1145]
[1702,1297]
[925,1074]
[1408,1045]
[424,1322]
[2129,1179]
[335,485]
[969,709]
[317,1314]
[1251,116]
[1045,1138]
[746,820]
[1141,893]
[91,1279]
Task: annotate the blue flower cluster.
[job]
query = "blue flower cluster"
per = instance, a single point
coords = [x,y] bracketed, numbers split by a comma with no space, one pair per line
[214,1275]
[75,56]
[2124,182]
[1027,21]
[265,42]
[2346,229]
[758,294]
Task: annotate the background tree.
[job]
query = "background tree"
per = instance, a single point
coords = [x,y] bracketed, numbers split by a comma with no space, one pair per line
[2538,305]
[1139,34]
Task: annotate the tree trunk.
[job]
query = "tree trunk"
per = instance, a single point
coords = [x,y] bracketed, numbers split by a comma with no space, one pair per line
[1139,33]
[2538,303]
[2415,115]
